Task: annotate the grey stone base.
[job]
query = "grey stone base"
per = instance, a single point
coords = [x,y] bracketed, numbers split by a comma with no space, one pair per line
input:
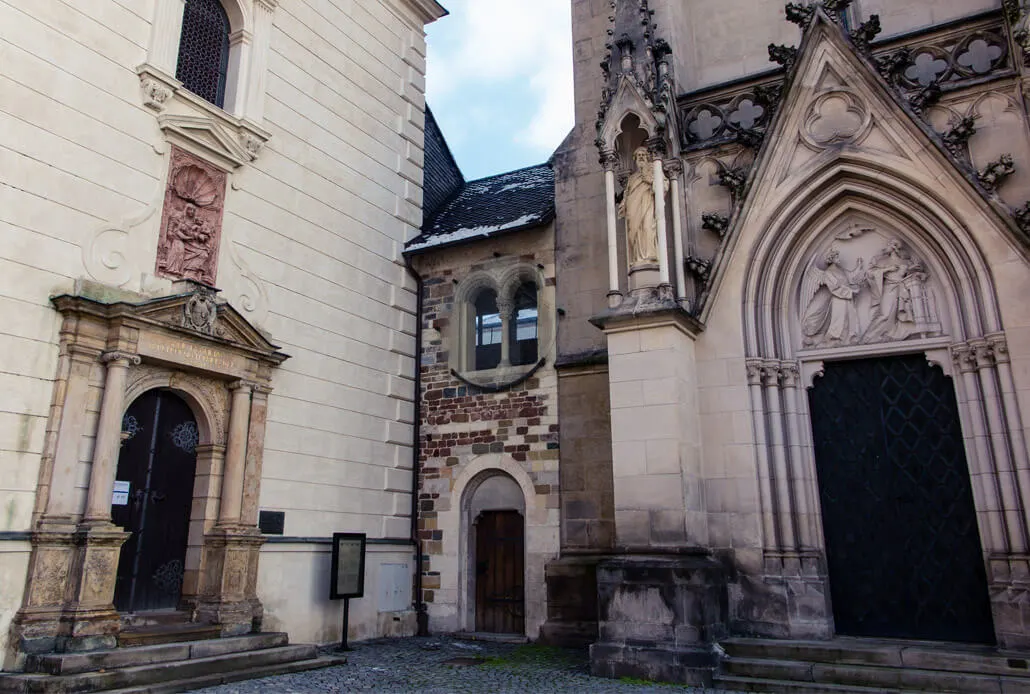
[693,666]
[660,617]
[571,601]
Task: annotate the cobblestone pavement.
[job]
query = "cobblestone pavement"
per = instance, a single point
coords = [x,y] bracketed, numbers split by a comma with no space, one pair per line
[440,665]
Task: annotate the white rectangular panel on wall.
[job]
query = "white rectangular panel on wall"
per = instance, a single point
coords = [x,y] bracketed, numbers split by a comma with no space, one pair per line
[394,587]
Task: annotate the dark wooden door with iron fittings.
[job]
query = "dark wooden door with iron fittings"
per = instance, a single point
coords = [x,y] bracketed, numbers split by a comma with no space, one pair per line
[500,564]
[902,544]
[152,500]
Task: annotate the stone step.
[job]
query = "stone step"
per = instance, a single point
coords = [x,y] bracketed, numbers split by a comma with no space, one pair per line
[157,673]
[924,655]
[755,684]
[74,663]
[153,617]
[885,678]
[186,685]
[153,634]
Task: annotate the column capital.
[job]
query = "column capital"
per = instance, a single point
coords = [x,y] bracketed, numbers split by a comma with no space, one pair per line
[119,358]
[1000,347]
[609,159]
[964,357]
[673,168]
[771,373]
[244,385]
[791,374]
[754,371]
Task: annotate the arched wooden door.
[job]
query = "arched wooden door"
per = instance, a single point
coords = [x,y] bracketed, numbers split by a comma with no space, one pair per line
[156,468]
[500,571]
[902,544]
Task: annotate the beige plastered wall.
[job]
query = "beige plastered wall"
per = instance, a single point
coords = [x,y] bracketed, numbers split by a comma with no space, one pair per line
[310,248]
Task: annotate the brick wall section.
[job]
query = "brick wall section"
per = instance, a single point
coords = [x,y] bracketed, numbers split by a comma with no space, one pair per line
[461,422]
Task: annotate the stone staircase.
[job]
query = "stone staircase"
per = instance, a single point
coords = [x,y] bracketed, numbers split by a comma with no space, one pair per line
[176,658]
[867,666]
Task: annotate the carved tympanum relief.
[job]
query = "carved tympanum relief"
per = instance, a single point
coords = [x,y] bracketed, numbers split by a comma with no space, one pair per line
[191,224]
[866,287]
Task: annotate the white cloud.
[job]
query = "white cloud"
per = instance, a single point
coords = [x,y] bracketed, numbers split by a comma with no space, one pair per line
[515,42]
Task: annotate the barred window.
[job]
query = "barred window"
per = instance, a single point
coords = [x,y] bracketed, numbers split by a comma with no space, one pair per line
[204,50]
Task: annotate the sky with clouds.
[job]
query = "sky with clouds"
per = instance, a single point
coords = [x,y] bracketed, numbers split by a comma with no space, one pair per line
[500,81]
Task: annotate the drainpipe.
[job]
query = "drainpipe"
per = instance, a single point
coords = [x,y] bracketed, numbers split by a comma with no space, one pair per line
[421,618]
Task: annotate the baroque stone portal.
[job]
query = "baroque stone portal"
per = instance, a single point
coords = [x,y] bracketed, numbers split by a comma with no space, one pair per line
[191,225]
[882,296]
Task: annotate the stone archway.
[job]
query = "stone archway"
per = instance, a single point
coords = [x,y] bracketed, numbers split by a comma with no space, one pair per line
[864,264]
[124,345]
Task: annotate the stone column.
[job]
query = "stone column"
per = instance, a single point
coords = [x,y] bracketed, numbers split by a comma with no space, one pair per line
[109,439]
[659,217]
[506,308]
[754,381]
[782,506]
[609,160]
[675,171]
[235,456]
[252,492]
[230,548]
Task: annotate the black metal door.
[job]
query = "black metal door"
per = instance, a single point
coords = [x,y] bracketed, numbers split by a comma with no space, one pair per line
[500,598]
[157,464]
[902,545]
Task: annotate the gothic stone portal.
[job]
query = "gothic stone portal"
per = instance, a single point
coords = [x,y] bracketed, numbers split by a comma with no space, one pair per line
[902,545]
[157,464]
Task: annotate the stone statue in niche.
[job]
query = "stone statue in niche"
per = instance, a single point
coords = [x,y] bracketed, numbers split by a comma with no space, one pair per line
[192,221]
[637,207]
[885,297]
[830,316]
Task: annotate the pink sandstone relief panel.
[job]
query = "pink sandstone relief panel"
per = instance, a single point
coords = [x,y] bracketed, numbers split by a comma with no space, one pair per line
[191,224]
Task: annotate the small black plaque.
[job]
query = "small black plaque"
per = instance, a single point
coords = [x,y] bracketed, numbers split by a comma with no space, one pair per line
[272,522]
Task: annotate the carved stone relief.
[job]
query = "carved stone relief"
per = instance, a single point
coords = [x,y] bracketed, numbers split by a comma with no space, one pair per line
[191,224]
[866,287]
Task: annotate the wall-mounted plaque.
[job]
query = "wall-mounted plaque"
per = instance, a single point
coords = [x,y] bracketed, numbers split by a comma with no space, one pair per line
[348,566]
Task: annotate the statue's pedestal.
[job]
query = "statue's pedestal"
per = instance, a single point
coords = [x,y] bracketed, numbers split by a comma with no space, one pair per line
[660,617]
[644,276]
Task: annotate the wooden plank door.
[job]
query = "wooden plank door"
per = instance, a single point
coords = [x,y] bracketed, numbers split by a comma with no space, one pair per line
[500,570]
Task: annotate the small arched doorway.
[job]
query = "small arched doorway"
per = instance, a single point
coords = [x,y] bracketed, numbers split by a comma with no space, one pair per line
[153,498]
[496,508]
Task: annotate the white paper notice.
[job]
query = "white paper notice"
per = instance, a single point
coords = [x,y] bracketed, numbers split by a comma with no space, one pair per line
[120,497]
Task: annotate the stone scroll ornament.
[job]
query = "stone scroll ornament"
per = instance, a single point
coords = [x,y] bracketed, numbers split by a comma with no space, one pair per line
[637,207]
[884,298]
[191,224]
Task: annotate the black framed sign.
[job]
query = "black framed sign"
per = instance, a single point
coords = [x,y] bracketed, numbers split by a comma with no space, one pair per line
[348,568]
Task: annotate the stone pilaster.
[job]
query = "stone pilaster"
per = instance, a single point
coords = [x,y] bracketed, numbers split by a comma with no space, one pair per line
[229,582]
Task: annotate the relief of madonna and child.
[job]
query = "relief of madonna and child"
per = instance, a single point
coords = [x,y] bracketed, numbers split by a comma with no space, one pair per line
[192,220]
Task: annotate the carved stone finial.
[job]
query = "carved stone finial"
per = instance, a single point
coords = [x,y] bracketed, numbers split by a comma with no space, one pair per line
[800,14]
[925,98]
[715,223]
[995,173]
[893,65]
[783,55]
[699,268]
[769,95]
[1022,216]
[866,33]
[957,137]
[735,180]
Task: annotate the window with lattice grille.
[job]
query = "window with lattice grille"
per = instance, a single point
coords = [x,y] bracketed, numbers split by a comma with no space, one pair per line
[204,50]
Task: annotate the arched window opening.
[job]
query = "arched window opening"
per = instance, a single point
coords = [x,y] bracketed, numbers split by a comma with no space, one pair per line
[204,50]
[522,345]
[488,330]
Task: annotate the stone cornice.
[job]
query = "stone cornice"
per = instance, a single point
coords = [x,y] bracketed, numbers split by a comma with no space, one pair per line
[426,11]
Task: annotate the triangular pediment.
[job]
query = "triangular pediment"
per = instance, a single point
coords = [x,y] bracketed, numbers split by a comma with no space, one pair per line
[206,138]
[838,114]
[201,313]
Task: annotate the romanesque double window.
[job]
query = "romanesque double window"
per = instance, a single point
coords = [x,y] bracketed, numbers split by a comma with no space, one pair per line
[504,329]
[204,50]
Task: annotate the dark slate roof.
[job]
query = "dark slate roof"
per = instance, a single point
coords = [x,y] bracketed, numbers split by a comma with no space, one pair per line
[442,176]
[490,206]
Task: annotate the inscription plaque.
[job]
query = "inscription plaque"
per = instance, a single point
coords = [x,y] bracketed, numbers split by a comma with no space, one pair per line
[185,353]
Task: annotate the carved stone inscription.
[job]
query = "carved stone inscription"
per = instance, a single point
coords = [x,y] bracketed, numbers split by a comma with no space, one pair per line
[189,354]
[865,288]
[191,224]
